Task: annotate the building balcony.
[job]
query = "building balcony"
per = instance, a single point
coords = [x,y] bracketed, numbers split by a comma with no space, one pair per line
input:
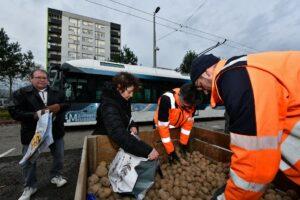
[114,49]
[54,48]
[114,41]
[53,39]
[55,30]
[54,21]
[115,34]
[54,57]
[114,26]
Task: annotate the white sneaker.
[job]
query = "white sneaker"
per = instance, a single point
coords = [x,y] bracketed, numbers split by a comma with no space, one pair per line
[59,181]
[28,191]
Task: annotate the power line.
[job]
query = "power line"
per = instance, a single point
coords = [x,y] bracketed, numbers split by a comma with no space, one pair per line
[168,34]
[164,25]
[183,26]
[200,6]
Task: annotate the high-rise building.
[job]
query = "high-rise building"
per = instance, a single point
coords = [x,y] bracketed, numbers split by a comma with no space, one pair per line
[71,36]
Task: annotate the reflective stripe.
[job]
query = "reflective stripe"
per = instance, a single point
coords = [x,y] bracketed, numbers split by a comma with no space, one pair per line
[254,142]
[171,126]
[290,148]
[296,130]
[160,123]
[244,58]
[249,186]
[172,98]
[221,197]
[166,140]
[185,132]
[284,166]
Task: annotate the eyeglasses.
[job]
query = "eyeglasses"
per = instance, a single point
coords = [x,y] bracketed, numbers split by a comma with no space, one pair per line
[40,78]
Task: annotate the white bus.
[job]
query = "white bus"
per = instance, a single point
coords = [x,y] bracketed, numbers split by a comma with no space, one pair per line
[82,81]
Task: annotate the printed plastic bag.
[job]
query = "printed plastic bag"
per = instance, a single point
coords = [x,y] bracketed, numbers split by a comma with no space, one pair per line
[41,139]
[131,174]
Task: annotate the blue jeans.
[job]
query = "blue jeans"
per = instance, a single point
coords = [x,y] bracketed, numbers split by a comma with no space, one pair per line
[29,169]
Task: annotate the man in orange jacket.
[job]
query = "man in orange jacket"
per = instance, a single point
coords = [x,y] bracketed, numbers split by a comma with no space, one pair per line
[176,109]
[261,93]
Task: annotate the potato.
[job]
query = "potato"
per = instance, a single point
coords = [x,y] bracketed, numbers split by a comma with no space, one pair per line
[104,192]
[103,164]
[177,192]
[105,181]
[93,179]
[94,188]
[101,171]
[163,194]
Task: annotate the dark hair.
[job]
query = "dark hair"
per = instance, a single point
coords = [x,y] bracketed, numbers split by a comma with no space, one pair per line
[41,70]
[189,94]
[123,80]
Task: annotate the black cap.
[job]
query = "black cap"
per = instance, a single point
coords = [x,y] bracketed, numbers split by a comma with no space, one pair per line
[200,64]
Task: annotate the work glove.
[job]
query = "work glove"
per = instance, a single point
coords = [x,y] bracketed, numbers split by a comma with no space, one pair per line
[55,108]
[218,192]
[183,149]
[173,158]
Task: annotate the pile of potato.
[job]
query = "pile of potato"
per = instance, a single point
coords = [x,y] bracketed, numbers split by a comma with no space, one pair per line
[193,178]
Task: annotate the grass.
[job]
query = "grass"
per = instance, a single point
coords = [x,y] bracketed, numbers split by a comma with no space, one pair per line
[4,115]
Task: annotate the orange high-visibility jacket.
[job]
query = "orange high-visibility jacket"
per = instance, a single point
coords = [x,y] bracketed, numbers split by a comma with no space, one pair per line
[264,119]
[169,114]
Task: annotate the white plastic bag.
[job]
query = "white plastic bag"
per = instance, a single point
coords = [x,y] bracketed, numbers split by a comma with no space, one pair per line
[122,174]
[41,139]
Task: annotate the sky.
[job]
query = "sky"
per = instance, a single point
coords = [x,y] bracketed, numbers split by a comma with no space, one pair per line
[248,26]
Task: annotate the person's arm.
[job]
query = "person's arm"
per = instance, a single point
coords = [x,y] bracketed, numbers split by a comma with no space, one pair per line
[163,123]
[60,106]
[254,131]
[16,108]
[118,133]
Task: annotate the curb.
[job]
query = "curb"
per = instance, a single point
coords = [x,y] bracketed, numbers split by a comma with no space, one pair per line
[8,122]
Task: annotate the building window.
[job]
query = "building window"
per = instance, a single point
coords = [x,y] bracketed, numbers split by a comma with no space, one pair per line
[87,48]
[99,35]
[75,22]
[72,55]
[89,24]
[99,57]
[99,26]
[73,47]
[54,16]
[100,43]
[87,56]
[73,38]
[74,30]
[87,40]
[86,31]
[100,50]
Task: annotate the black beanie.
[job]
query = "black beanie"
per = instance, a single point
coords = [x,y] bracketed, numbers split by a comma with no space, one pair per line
[200,64]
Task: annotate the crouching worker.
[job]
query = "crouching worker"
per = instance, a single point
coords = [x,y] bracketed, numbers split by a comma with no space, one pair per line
[176,109]
[114,120]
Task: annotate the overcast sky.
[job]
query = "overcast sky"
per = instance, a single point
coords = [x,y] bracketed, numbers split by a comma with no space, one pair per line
[261,25]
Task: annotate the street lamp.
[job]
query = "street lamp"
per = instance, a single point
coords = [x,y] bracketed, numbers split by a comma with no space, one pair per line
[154,38]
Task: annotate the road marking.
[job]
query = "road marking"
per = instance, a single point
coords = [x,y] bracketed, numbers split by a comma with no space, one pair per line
[7,152]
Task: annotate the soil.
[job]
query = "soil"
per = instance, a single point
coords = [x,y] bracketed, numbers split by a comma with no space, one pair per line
[11,184]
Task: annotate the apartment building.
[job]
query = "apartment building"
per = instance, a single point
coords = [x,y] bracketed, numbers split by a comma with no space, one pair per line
[71,36]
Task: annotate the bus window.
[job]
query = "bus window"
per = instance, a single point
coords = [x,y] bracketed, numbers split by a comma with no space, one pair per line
[147,93]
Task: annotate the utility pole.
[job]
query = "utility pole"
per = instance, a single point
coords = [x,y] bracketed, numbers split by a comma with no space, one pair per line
[154,38]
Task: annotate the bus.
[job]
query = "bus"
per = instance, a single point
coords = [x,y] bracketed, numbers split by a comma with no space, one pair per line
[82,81]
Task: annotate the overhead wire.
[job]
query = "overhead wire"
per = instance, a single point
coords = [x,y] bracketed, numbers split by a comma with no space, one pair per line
[185,26]
[167,26]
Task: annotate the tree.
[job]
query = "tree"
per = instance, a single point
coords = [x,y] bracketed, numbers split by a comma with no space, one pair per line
[126,56]
[13,63]
[185,66]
